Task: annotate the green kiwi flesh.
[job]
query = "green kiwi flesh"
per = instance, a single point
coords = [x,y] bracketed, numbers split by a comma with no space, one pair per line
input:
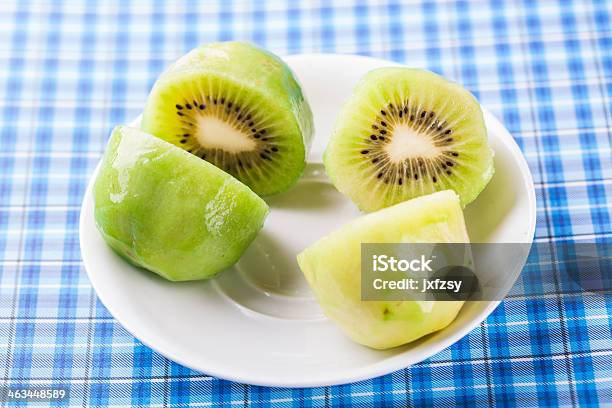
[168,211]
[405,133]
[238,107]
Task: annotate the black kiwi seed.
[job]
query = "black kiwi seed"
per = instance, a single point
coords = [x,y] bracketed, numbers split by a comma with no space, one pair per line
[179,107]
[455,154]
[184,141]
[383,132]
[188,106]
[405,109]
[275,149]
[399,182]
[379,175]
[180,113]
[383,123]
[382,112]
[202,106]
[374,127]
[434,179]
[375,160]
[423,114]
[373,137]
[364,151]
[448,132]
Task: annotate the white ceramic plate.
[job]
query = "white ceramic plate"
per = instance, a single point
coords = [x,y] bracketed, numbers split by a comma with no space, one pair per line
[258,323]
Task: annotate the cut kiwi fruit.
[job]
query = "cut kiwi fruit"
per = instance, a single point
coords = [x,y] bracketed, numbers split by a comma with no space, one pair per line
[406,133]
[332,267]
[168,211]
[238,107]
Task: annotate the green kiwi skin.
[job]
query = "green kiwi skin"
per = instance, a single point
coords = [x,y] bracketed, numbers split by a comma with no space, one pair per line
[338,162]
[170,212]
[271,84]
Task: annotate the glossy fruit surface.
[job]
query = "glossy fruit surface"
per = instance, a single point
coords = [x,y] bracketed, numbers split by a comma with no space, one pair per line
[171,212]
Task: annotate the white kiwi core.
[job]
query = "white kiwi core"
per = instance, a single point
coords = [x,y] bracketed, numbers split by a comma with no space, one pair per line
[214,133]
[406,144]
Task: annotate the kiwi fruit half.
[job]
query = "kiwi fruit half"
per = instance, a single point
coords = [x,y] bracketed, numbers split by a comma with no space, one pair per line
[238,107]
[406,133]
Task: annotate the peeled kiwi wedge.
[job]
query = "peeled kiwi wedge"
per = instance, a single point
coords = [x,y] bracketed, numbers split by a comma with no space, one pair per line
[169,212]
[332,267]
[238,107]
[405,133]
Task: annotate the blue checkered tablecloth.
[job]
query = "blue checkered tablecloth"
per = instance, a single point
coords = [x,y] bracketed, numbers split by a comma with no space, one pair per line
[71,70]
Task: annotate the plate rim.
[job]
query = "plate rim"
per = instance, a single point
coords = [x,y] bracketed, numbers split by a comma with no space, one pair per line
[392,364]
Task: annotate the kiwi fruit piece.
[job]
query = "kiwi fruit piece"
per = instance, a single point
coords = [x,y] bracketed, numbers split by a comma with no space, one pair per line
[167,211]
[332,267]
[405,133]
[238,107]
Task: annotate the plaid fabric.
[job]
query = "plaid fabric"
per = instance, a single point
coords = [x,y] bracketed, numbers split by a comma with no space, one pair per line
[71,70]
